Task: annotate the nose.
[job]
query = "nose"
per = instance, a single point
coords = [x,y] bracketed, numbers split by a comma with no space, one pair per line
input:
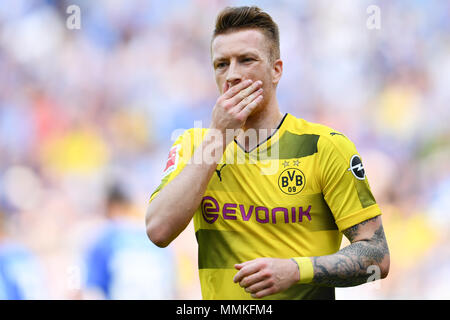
[234,76]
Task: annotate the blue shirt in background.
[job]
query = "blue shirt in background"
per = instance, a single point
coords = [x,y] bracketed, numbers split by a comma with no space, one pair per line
[21,277]
[124,264]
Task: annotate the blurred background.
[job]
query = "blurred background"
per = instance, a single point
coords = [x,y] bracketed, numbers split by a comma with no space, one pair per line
[87,117]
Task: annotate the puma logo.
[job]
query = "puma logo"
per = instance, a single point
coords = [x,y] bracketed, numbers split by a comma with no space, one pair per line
[336,133]
[219,172]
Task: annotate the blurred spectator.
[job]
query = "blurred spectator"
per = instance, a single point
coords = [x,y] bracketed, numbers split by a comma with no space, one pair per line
[121,263]
[21,276]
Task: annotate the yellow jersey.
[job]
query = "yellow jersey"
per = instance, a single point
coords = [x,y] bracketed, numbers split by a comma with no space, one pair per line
[291,196]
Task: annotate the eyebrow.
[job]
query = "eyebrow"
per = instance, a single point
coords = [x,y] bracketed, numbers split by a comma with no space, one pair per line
[244,54]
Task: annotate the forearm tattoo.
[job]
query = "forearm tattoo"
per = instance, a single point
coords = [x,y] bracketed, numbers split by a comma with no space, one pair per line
[349,266]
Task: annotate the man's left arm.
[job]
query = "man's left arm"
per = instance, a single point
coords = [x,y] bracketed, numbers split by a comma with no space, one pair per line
[350,266]
[347,267]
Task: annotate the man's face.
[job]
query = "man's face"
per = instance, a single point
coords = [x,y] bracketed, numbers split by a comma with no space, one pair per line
[241,55]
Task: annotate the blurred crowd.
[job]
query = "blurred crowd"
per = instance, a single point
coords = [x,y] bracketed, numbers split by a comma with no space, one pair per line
[87,117]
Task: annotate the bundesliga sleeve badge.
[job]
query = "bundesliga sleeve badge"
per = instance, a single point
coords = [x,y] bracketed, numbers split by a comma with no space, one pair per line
[172,161]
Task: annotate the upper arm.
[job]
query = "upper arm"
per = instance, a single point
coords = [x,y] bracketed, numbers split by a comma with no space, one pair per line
[365,231]
[346,190]
[179,155]
[370,234]
[344,183]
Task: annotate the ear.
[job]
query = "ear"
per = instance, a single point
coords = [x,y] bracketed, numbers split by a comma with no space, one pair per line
[277,71]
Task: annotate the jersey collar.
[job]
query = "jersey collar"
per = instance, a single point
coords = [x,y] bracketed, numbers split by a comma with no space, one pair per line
[275,136]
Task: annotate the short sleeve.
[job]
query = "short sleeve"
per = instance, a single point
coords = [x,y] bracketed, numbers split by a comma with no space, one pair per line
[344,182]
[179,155]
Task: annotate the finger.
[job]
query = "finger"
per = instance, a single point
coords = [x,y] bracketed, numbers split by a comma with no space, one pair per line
[248,99]
[242,94]
[258,286]
[248,109]
[225,87]
[252,279]
[240,265]
[246,271]
[232,91]
[265,292]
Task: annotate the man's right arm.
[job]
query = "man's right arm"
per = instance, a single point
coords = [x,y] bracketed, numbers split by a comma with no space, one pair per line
[172,209]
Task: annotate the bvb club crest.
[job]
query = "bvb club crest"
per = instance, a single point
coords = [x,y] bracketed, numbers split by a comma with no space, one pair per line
[291,181]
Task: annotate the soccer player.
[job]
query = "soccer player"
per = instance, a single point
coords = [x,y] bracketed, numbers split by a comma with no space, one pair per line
[121,263]
[269,212]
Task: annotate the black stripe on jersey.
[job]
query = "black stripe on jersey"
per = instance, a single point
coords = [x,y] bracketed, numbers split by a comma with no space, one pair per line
[291,146]
[364,194]
[294,146]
